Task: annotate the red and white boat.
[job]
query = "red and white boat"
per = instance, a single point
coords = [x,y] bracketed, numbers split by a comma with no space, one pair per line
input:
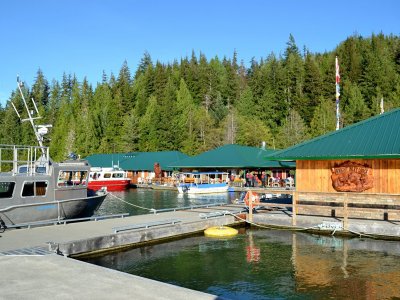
[114,179]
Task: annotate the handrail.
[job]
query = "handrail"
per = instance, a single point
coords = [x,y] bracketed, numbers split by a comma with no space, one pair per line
[65,221]
[155,211]
[29,158]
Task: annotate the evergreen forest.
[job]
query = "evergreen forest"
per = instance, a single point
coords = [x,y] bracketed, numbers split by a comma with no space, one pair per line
[197,103]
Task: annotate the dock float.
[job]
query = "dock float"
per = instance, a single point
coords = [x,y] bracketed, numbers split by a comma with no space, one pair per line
[57,277]
[33,269]
[81,238]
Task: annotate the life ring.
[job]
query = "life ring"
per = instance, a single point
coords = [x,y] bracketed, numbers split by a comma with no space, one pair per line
[220,232]
[251,197]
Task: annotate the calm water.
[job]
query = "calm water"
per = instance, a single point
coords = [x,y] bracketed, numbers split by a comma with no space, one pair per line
[265,264]
[157,199]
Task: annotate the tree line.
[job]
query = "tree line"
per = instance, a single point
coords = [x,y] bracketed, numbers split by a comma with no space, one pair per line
[196,104]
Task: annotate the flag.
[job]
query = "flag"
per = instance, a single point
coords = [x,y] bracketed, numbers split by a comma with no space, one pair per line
[337,71]
[337,93]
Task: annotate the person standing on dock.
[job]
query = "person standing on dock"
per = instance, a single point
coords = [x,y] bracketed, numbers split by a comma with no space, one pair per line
[263,178]
[248,179]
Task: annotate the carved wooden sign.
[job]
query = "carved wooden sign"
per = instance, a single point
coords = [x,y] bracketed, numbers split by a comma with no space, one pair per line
[352,177]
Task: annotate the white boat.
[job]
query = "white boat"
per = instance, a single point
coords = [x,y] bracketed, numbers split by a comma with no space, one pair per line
[203,182]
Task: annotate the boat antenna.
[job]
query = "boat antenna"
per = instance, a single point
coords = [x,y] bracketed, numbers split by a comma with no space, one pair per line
[39,130]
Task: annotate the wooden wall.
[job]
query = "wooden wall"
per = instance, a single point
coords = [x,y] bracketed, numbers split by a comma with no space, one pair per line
[315,175]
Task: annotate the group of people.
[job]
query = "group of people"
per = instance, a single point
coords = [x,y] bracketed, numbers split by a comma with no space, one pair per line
[257,179]
[254,179]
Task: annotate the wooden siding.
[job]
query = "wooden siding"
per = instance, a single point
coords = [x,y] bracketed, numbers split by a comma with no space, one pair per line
[315,176]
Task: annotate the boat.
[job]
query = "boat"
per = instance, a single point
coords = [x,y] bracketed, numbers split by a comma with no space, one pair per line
[114,179]
[203,182]
[35,189]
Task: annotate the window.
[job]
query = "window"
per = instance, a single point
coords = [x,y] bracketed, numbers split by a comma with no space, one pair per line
[28,189]
[6,189]
[24,169]
[72,178]
[38,188]
[41,188]
[107,175]
[118,175]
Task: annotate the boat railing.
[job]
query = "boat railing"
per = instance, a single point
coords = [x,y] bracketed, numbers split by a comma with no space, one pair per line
[65,221]
[27,160]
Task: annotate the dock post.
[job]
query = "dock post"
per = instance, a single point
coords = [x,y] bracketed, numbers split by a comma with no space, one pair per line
[250,211]
[345,212]
[294,208]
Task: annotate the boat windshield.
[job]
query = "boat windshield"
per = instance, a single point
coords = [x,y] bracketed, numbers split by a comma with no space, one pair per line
[72,178]
[204,177]
[25,169]
[118,175]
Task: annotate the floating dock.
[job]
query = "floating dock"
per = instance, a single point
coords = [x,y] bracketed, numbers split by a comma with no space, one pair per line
[28,255]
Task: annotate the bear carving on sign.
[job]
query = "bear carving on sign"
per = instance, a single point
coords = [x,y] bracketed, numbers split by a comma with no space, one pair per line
[352,177]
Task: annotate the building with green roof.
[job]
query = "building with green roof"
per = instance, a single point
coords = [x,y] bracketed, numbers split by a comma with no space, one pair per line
[374,142]
[232,156]
[374,138]
[235,159]
[361,159]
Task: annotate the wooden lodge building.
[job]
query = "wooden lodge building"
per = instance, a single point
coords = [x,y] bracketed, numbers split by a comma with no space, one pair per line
[353,172]
[233,159]
[236,160]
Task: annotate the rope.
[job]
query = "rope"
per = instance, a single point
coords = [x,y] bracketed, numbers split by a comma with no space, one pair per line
[299,228]
[251,223]
[138,206]
[270,227]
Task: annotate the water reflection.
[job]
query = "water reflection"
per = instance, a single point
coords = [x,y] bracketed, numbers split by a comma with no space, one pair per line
[262,264]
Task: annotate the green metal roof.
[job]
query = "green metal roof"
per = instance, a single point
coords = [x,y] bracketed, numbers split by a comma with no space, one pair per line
[232,156]
[376,137]
[106,160]
[137,161]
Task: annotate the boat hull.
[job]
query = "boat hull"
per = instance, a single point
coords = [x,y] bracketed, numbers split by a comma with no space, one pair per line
[114,185]
[203,188]
[52,210]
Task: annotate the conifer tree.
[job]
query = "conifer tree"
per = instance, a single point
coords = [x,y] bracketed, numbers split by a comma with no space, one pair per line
[130,133]
[124,86]
[185,121]
[293,130]
[312,89]
[355,109]
[324,119]
[148,128]
[40,92]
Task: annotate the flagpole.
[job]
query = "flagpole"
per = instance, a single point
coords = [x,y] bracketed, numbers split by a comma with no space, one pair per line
[337,93]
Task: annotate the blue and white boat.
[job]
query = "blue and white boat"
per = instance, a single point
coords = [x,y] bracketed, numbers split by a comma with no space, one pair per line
[203,182]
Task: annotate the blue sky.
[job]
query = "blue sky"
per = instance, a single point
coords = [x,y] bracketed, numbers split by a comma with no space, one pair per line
[85,37]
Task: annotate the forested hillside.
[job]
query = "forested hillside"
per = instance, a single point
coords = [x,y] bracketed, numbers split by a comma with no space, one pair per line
[197,103]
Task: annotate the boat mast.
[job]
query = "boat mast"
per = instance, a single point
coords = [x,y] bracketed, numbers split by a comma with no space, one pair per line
[39,130]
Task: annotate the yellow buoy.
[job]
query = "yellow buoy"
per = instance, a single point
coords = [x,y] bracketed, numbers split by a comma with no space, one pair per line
[220,231]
